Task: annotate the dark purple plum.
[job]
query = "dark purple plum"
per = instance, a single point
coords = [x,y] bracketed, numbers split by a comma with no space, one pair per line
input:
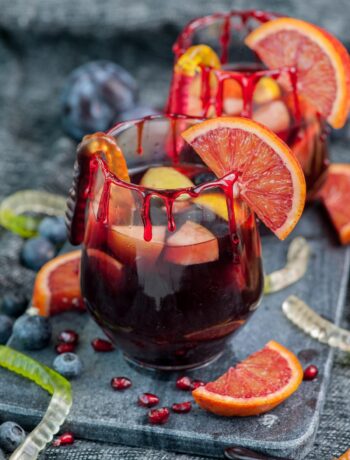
[94,95]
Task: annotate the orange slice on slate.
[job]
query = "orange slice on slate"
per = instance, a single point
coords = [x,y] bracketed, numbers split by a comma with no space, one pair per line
[256,385]
[57,285]
[322,63]
[270,179]
[335,195]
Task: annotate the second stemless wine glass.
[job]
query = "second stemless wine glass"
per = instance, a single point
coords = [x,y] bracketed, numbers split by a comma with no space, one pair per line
[238,84]
[162,272]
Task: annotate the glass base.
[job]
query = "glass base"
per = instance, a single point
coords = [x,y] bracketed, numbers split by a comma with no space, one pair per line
[156,367]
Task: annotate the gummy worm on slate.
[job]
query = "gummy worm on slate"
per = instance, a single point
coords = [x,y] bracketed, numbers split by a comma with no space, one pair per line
[299,313]
[58,408]
[13,210]
[297,261]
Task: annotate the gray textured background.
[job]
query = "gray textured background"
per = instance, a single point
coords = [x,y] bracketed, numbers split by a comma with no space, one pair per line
[41,41]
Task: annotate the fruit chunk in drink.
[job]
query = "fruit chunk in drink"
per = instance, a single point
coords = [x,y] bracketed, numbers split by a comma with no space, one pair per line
[172,301]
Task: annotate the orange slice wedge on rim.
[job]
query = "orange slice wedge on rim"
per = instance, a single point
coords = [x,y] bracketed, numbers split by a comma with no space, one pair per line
[256,385]
[185,97]
[335,195]
[270,179]
[196,56]
[322,63]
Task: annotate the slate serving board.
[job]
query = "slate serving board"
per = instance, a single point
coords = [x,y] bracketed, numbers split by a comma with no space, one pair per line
[99,413]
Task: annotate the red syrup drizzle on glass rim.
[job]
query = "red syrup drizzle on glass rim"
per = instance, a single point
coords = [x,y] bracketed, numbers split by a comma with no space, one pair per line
[89,161]
[246,79]
[184,40]
[226,184]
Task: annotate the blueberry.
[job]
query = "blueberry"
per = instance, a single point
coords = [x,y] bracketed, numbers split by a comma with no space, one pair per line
[11,436]
[201,178]
[14,304]
[94,95]
[68,364]
[32,332]
[136,112]
[36,252]
[54,229]
[6,325]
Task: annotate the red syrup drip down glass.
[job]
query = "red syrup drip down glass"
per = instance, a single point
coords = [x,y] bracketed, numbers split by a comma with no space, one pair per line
[242,86]
[168,279]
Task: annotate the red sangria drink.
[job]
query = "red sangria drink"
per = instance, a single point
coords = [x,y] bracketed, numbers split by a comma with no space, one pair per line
[163,273]
[165,208]
[216,73]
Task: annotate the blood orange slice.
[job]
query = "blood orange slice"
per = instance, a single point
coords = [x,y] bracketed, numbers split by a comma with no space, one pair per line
[57,285]
[270,179]
[335,195]
[256,385]
[322,63]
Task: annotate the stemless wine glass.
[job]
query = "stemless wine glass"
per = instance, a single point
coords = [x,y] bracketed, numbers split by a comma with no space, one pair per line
[169,274]
[239,84]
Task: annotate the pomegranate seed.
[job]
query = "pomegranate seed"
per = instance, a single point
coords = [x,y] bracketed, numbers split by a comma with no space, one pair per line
[310,373]
[102,345]
[68,336]
[64,439]
[184,383]
[148,400]
[196,384]
[120,383]
[158,416]
[182,408]
[65,348]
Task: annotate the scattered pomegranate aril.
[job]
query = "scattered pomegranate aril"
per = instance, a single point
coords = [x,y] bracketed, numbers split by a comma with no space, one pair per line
[310,373]
[120,383]
[182,408]
[65,348]
[196,384]
[148,400]
[63,440]
[184,383]
[158,416]
[68,336]
[102,345]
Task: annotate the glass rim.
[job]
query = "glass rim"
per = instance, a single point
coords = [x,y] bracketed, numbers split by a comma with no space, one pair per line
[180,46]
[122,126]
